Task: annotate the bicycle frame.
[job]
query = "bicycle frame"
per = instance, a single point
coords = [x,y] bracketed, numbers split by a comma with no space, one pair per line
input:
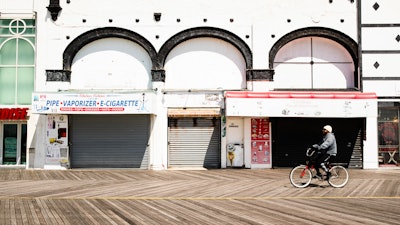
[310,162]
[309,166]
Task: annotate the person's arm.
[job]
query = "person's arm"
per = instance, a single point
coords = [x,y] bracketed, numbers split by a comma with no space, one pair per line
[327,143]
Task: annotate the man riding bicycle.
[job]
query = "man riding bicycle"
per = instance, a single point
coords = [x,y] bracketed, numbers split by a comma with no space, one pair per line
[327,149]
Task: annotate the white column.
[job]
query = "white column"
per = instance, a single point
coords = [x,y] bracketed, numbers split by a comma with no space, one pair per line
[36,141]
[224,122]
[159,132]
[370,153]
[247,142]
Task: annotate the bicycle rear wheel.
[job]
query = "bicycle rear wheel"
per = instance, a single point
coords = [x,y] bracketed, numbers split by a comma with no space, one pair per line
[339,176]
[300,176]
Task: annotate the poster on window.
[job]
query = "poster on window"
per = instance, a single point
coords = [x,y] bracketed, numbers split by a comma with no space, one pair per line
[57,141]
[260,141]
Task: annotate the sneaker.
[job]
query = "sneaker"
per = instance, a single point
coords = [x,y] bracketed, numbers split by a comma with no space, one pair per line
[328,175]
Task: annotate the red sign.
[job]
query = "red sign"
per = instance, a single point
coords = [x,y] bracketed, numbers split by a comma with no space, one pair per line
[13,113]
[260,141]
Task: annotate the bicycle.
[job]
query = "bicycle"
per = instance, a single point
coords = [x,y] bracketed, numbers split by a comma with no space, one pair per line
[301,176]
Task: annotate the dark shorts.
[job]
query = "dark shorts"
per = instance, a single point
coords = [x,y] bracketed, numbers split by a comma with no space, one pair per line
[324,158]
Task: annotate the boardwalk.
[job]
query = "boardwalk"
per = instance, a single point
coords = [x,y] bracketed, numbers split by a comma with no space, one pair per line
[226,196]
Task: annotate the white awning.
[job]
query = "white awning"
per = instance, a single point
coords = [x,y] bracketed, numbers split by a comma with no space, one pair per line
[194,112]
[301,104]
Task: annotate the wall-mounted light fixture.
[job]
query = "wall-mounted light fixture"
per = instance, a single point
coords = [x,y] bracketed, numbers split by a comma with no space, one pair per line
[157,16]
[54,8]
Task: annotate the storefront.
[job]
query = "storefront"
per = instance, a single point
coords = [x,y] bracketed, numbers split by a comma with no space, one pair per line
[13,132]
[194,129]
[293,135]
[96,130]
[194,140]
[388,134]
[17,72]
[279,126]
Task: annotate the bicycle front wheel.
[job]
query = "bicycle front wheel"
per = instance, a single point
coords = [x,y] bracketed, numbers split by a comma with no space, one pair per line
[339,176]
[300,176]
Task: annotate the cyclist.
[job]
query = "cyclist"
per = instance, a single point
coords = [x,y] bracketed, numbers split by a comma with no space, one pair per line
[327,149]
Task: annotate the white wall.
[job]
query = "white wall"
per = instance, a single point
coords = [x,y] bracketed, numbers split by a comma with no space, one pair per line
[111,63]
[259,24]
[388,11]
[234,130]
[383,88]
[17,6]
[205,63]
[380,38]
[382,64]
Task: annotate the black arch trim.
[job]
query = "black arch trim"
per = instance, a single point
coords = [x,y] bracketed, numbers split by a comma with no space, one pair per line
[206,32]
[349,44]
[106,32]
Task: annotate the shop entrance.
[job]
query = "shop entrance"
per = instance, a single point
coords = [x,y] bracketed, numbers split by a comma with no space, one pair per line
[109,141]
[292,136]
[194,142]
[388,136]
[13,139]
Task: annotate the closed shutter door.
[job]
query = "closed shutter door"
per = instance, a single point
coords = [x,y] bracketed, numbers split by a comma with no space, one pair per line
[109,141]
[194,142]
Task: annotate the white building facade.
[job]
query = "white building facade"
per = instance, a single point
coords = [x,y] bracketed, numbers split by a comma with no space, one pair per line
[159,85]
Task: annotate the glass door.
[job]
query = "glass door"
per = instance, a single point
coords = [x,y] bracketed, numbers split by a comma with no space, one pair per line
[14,144]
[388,131]
[22,158]
[10,144]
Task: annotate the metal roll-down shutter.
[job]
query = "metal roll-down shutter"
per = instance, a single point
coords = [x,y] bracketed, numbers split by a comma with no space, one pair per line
[194,142]
[109,141]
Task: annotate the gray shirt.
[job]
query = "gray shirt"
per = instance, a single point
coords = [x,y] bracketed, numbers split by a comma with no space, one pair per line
[328,143]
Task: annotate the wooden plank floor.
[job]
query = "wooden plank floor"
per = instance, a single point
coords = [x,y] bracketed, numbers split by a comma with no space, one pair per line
[225,196]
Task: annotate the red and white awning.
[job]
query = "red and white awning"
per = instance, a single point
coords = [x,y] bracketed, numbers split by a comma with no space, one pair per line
[301,104]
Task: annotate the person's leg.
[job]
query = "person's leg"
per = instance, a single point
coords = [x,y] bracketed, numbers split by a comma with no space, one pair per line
[318,162]
[325,163]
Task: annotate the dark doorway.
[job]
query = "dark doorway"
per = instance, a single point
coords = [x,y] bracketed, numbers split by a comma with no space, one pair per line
[292,136]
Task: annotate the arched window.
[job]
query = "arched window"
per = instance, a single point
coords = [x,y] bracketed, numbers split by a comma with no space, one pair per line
[313,63]
[17,61]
